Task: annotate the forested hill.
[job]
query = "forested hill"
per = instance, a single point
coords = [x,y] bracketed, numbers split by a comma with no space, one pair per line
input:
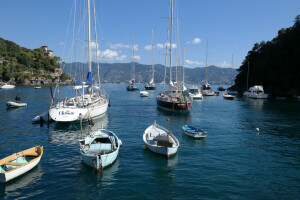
[18,63]
[122,72]
[274,64]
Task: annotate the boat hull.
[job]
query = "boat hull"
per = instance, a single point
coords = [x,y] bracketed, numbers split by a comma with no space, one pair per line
[192,133]
[172,105]
[9,175]
[149,87]
[15,104]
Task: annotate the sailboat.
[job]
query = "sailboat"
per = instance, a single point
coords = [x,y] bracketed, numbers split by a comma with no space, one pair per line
[231,90]
[132,86]
[206,90]
[90,104]
[173,98]
[151,85]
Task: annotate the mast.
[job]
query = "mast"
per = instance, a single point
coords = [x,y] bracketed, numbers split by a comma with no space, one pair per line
[232,67]
[247,76]
[89,36]
[183,67]
[166,55]
[206,57]
[152,59]
[177,46]
[133,65]
[171,41]
[96,44]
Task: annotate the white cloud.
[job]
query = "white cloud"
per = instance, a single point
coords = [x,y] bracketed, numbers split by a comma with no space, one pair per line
[119,46]
[188,42]
[196,41]
[197,63]
[223,64]
[159,46]
[148,47]
[121,58]
[60,44]
[136,57]
[108,55]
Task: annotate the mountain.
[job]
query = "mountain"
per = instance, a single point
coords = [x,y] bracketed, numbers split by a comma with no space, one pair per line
[121,73]
[274,64]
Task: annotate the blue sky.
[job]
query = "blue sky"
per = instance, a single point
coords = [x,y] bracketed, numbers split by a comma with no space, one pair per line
[232,27]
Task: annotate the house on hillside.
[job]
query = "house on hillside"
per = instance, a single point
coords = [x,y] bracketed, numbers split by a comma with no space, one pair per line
[47,52]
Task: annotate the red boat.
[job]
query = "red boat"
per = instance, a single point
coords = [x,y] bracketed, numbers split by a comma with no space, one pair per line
[228,97]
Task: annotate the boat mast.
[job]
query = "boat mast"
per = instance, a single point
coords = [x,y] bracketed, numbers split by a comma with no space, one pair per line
[96,44]
[247,77]
[232,67]
[206,57]
[183,68]
[89,36]
[177,46]
[152,59]
[133,66]
[166,55]
[171,41]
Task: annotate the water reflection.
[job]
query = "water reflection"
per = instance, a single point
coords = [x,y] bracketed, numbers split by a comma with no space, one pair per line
[200,142]
[257,103]
[15,186]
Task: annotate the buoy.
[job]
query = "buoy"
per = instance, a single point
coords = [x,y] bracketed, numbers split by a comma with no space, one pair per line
[257,129]
[144,147]
[168,119]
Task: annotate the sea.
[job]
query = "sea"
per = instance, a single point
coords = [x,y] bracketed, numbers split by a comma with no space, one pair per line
[234,161]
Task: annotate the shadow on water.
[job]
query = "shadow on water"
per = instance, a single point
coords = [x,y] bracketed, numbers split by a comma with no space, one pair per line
[200,142]
[23,182]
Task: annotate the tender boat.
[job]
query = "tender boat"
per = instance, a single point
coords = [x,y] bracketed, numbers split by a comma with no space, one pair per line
[19,163]
[7,86]
[256,92]
[194,132]
[144,94]
[13,104]
[220,88]
[228,96]
[161,141]
[42,117]
[100,149]
[37,87]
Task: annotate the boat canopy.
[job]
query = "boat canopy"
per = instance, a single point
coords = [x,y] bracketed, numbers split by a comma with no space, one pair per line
[88,81]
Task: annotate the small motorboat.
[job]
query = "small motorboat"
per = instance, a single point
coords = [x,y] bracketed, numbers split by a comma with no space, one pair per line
[7,86]
[194,132]
[100,149]
[228,97]
[37,87]
[161,141]
[13,104]
[44,117]
[19,163]
[144,94]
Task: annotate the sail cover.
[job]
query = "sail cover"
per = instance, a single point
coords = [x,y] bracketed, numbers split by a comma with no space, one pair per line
[88,81]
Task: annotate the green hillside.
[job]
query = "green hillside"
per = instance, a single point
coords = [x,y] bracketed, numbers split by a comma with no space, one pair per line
[274,64]
[18,63]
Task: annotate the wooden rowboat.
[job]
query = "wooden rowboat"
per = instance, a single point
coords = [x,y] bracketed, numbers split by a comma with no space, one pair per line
[19,163]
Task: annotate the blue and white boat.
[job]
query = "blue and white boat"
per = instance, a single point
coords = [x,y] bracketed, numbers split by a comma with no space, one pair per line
[194,132]
[161,141]
[100,149]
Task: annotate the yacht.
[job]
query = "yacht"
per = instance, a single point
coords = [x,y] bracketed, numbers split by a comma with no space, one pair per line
[256,92]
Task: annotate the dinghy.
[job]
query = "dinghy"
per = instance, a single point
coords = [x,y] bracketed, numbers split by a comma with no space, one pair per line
[194,132]
[228,97]
[144,93]
[15,104]
[100,149]
[19,163]
[7,86]
[44,117]
[161,141]
[37,87]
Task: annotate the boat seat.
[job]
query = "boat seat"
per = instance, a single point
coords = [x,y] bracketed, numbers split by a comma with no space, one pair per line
[16,164]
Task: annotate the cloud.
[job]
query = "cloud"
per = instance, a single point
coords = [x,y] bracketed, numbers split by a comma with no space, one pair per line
[223,64]
[60,44]
[197,63]
[121,58]
[108,55]
[122,46]
[136,57]
[159,46]
[148,47]
[196,41]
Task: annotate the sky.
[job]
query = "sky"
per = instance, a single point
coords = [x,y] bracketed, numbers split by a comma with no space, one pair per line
[231,27]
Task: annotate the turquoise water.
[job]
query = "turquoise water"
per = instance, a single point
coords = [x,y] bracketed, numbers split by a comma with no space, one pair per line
[233,162]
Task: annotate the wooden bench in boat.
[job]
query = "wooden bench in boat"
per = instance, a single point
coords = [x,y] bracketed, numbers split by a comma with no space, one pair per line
[16,164]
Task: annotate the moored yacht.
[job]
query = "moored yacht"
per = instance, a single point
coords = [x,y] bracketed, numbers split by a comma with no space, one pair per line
[195,93]
[151,85]
[256,92]
[206,90]
[132,86]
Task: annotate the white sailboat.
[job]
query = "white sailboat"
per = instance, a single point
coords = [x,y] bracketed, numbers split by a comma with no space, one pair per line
[132,86]
[90,104]
[151,85]
[7,86]
[206,90]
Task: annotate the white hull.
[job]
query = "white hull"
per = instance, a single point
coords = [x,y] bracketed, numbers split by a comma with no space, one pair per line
[208,93]
[149,138]
[256,92]
[256,96]
[71,114]
[15,104]
[194,135]
[196,96]
[144,94]
[21,170]
[7,86]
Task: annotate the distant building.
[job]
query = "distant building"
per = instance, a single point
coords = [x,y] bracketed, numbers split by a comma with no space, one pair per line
[46,51]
